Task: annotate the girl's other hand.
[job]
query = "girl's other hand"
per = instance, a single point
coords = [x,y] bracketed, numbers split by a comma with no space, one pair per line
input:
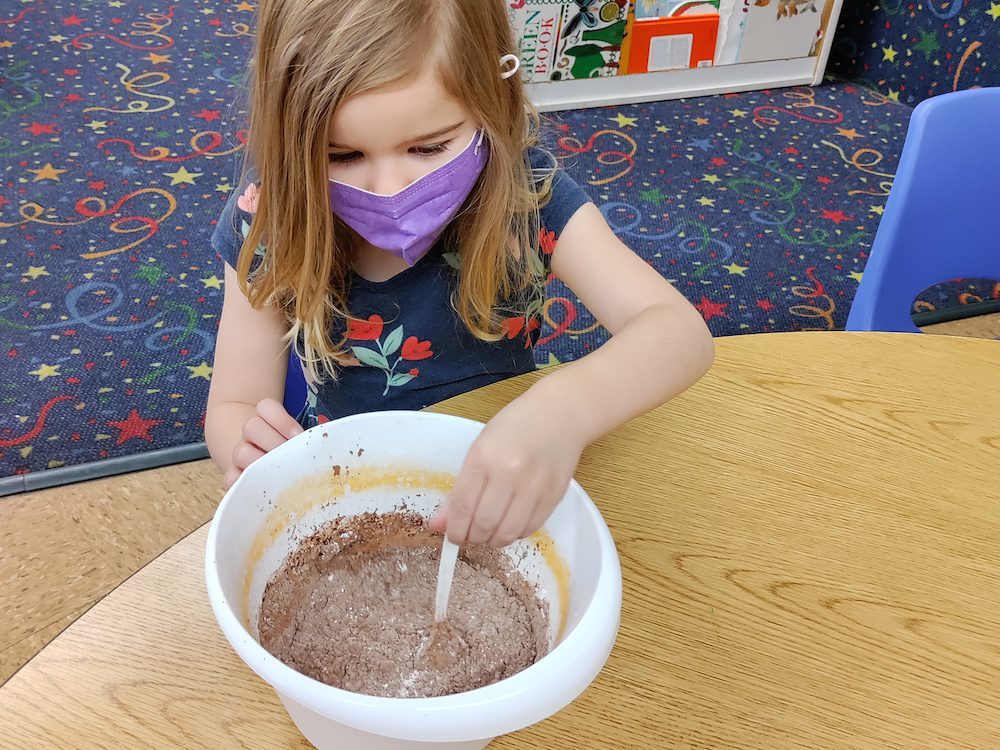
[264,431]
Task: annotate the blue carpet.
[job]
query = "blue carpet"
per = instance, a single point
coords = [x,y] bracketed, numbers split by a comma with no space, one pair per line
[120,145]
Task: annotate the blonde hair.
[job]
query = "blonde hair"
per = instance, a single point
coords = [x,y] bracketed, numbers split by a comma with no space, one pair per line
[310,56]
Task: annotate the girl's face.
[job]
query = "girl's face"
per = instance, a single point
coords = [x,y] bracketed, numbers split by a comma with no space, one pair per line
[387,139]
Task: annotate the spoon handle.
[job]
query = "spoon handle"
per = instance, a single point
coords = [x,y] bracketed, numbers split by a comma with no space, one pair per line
[446,572]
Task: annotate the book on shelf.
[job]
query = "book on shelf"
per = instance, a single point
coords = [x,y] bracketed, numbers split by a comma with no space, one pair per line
[561,41]
[575,39]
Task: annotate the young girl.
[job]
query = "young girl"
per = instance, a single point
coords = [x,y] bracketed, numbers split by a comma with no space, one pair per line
[400,221]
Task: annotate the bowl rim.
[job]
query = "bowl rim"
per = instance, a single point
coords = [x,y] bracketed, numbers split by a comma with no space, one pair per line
[510,704]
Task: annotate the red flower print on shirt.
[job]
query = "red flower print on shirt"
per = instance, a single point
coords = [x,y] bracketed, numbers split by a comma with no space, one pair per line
[413,348]
[248,201]
[389,353]
[547,241]
[512,326]
[365,330]
[349,361]
[533,325]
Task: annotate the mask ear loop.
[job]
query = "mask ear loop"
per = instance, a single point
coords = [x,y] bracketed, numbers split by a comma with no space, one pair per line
[513,60]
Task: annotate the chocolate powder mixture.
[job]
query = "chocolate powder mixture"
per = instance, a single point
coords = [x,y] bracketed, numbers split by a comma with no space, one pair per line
[353,607]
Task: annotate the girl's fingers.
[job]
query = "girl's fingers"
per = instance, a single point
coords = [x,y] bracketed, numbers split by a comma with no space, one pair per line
[261,434]
[245,454]
[489,514]
[518,516]
[274,414]
[439,521]
[539,516]
[266,430]
[461,504]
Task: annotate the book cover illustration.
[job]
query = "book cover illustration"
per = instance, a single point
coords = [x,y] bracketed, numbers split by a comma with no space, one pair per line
[772,30]
[590,43]
[674,43]
[537,25]
[576,39]
[732,21]
[648,9]
[560,41]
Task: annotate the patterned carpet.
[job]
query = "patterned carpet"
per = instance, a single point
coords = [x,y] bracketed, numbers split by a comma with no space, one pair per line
[911,51]
[120,145]
[759,207]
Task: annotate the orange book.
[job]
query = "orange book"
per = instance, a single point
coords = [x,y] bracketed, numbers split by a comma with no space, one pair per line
[672,43]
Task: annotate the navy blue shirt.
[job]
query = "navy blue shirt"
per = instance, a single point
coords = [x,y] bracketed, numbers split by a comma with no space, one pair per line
[411,349]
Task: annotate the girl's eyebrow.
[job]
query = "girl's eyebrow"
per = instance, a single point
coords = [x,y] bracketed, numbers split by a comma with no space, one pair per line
[426,137]
[438,133]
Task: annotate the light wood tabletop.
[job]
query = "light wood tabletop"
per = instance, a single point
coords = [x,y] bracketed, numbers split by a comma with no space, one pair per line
[810,548]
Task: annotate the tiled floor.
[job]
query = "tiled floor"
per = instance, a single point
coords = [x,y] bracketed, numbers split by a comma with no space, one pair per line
[983,327]
[64,548]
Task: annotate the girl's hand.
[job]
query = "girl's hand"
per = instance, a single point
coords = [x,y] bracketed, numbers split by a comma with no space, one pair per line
[263,432]
[513,477]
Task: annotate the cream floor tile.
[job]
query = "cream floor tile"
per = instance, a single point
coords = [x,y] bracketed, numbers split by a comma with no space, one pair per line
[16,655]
[48,569]
[981,326]
[130,519]
[64,548]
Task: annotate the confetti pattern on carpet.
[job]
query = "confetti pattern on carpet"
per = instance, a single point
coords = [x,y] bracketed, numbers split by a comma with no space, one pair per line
[115,161]
[120,144]
[911,51]
[759,207]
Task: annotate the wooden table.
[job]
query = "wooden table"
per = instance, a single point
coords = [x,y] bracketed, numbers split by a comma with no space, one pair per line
[810,545]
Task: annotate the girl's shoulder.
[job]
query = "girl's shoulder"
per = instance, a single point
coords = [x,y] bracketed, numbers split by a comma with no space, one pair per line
[234,220]
[566,196]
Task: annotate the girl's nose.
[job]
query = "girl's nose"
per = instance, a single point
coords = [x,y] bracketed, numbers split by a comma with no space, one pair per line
[387,179]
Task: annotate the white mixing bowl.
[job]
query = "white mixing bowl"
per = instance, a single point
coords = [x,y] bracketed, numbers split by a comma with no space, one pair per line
[371,462]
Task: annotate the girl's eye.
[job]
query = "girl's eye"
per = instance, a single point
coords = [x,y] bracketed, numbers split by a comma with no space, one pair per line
[431,150]
[351,157]
[348,158]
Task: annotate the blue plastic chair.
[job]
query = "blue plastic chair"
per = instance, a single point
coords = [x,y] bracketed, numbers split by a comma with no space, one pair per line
[942,218]
[295,386]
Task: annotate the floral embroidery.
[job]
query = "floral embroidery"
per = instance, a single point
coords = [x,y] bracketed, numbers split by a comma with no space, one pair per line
[511,327]
[412,349]
[365,330]
[547,241]
[248,204]
[416,349]
[346,360]
[248,201]
[391,353]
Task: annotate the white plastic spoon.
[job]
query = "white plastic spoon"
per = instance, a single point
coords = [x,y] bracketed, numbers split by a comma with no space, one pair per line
[445,644]
[446,572]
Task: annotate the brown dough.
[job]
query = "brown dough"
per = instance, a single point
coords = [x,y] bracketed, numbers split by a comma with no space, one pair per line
[353,607]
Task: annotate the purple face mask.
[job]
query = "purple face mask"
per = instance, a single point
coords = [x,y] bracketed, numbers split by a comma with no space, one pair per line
[408,223]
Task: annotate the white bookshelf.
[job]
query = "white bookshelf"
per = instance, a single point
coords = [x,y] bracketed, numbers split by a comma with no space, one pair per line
[677,84]
[671,84]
